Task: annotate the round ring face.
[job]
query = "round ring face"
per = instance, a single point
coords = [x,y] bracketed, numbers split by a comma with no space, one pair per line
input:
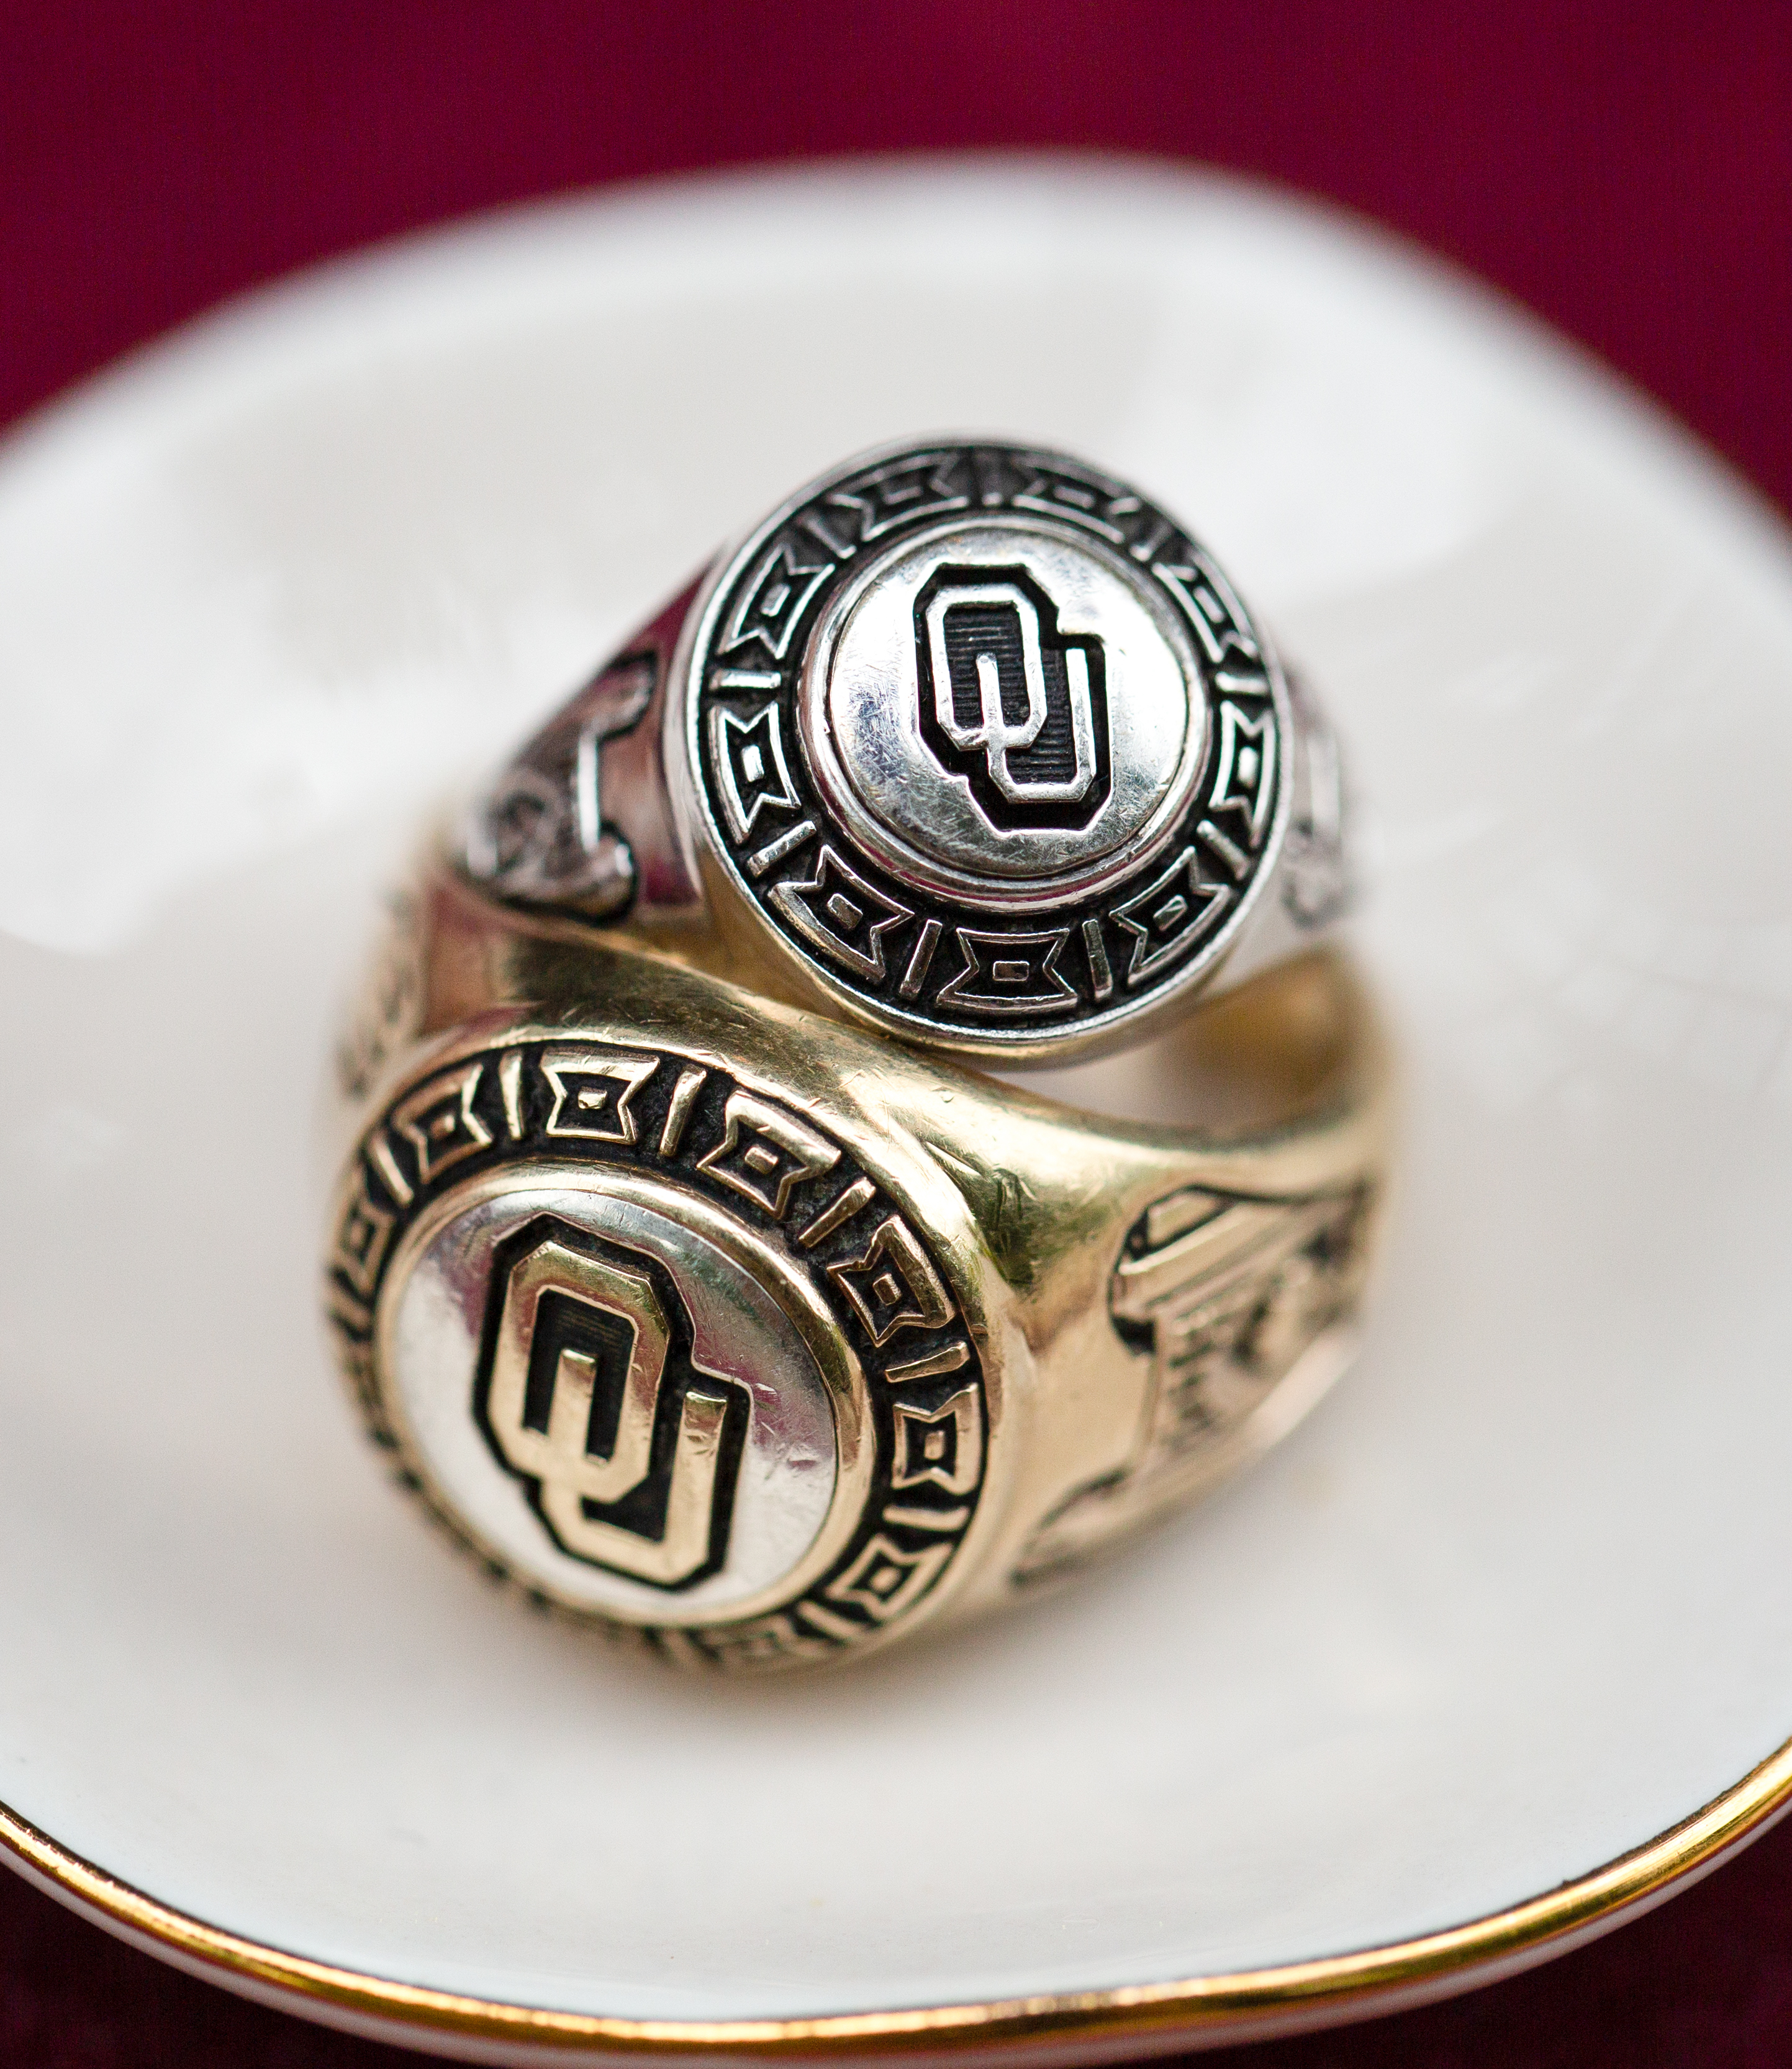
[658,1347]
[1002,712]
[565,1314]
[989,742]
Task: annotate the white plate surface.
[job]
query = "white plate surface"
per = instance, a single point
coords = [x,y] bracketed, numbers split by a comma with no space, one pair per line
[1512,1602]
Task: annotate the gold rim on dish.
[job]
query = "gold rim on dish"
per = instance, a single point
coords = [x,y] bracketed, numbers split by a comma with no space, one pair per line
[1204,2008]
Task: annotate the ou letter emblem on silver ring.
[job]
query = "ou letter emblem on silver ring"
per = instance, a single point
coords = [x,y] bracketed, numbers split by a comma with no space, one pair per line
[984,649]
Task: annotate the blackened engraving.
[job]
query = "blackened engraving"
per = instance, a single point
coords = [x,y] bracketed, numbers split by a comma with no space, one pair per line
[438,1121]
[510,1083]
[886,1579]
[1236,860]
[748,752]
[385,1160]
[1170,915]
[768,605]
[843,914]
[765,1152]
[1101,975]
[1011,696]
[594,1092]
[1244,778]
[1011,703]
[691,1081]
[1009,972]
[781,845]
[892,1286]
[1218,616]
[900,494]
[950,1357]
[940,1446]
[850,1200]
[363,1232]
[920,960]
[586,1390]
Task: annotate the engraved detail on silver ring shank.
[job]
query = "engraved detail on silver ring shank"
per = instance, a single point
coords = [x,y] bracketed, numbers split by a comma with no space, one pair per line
[579,821]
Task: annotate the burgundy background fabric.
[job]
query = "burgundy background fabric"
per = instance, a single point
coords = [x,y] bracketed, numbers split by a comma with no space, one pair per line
[1625,169]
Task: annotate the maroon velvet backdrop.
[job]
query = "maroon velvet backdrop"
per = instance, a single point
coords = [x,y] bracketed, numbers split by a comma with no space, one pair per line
[1625,169]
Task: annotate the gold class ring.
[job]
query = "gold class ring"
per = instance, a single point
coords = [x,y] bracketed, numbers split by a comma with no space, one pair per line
[761,1340]
[966,741]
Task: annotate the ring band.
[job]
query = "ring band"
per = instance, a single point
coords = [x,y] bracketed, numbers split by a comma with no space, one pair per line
[762,1341]
[974,743]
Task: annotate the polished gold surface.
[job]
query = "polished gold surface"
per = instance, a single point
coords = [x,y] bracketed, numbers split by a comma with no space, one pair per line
[558,1457]
[1060,1324]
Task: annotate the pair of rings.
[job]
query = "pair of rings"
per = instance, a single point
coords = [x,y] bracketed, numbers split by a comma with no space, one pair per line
[691,1261]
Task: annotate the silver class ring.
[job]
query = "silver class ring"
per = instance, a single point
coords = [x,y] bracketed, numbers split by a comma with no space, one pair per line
[967,741]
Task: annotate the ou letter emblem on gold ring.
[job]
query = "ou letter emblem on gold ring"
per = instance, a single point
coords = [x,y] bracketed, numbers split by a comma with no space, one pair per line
[582,1336]
[658,1347]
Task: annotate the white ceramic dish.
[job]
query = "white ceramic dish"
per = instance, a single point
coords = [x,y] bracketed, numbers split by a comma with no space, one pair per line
[1510,1606]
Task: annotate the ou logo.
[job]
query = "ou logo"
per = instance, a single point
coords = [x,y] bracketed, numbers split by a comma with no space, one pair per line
[1008,701]
[588,1394]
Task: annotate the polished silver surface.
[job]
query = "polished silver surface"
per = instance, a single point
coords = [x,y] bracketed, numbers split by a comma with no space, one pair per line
[927,695]
[656,1272]
[991,748]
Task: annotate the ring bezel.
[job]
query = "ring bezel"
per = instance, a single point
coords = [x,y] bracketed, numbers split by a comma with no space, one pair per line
[1095,973]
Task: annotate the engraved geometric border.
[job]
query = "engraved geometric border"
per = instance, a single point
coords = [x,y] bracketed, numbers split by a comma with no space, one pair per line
[816,1622]
[1109,998]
